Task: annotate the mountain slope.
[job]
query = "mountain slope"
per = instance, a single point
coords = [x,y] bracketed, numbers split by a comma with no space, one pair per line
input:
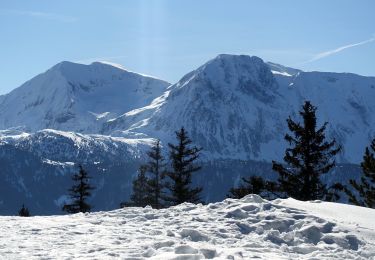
[105,118]
[37,168]
[229,106]
[344,100]
[236,107]
[77,97]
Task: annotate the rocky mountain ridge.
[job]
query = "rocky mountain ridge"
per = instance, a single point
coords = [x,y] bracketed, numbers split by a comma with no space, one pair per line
[104,117]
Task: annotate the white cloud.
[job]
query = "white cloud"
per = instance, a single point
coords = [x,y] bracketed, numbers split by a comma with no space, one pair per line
[337,50]
[44,15]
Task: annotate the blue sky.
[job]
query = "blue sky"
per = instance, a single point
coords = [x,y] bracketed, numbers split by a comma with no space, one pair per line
[168,38]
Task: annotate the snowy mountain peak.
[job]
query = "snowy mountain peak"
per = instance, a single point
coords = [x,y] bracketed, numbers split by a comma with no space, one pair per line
[236,58]
[249,75]
[97,69]
[69,65]
[236,106]
[235,64]
[77,97]
[224,105]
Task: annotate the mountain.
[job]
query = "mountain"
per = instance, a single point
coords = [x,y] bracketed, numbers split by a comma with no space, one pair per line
[224,105]
[249,228]
[236,107]
[105,118]
[77,97]
[36,168]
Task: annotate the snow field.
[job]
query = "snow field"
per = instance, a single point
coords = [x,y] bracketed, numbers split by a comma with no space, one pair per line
[232,229]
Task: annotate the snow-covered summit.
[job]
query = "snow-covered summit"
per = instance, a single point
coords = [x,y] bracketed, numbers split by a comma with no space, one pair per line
[77,97]
[224,104]
[225,66]
[230,105]
[105,117]
[236,106]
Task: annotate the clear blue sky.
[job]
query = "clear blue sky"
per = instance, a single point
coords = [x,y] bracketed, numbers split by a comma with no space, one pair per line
[168,38]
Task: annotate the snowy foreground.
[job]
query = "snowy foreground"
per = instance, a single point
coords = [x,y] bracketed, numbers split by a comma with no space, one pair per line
[233,229]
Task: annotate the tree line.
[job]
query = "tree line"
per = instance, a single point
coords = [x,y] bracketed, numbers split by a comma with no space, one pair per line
[309,156]
[156,184]
[161,186]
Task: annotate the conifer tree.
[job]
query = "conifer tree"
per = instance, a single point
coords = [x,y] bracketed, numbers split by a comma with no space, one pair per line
[155,167]
[183,157]
[253,185]
[140,196]
[24,212]
[79,193]
[366,187]
[309,157]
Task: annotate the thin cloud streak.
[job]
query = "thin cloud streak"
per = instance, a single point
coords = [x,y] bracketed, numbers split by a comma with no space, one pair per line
[43,15]
[337,50]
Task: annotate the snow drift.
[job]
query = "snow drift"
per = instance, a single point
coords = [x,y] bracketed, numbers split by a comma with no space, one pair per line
[248,228]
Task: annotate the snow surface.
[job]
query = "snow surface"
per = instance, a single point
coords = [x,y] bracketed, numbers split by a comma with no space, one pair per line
[250,228]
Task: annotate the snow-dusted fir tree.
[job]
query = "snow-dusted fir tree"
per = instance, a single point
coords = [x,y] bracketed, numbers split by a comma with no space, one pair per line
[148,185]
[140,196]
[366,187]
[79,193]
[156,170]
[24,212]
[183,159]
[309,157]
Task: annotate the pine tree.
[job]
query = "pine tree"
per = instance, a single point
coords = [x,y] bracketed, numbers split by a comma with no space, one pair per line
[366,187]
[155,167]
[309,157]
[253,185]
[140,196]
[24,212]
[79,193]
[183,157]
